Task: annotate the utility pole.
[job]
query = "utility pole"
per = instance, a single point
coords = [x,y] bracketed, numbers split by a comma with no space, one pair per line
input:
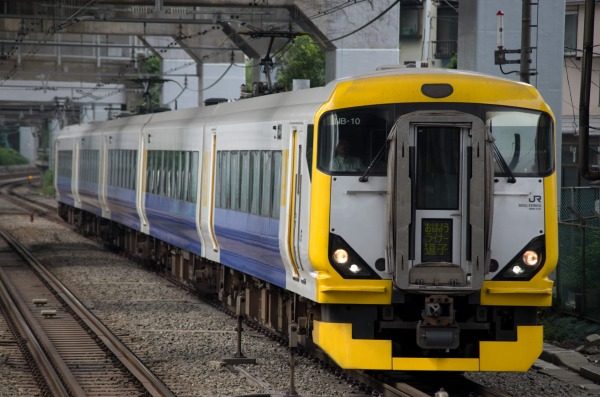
[525,40]
[584,94]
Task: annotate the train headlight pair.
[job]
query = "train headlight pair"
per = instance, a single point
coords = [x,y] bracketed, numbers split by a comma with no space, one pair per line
[530,259]
[341,257]
[527,263]
[346,261]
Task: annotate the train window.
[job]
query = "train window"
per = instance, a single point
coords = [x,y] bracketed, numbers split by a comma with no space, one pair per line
[309,148]
[267,183]
[349,139]
[235,180]
[88,169]
[173,174]
[256,182]
[249,181]
[225,180]
[438,167]
[132,175]
[524,139]
[245,182]
[122,168]
[276,185]
[65,160]
[195,163]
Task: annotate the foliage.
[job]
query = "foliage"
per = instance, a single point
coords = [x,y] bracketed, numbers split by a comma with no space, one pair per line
[578,278]
[452,63]
[48,184]
[11,157]
[152,70]
[568,331]
[303,60]
[249,72]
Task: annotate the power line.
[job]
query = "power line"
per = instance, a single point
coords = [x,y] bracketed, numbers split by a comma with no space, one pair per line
[50,32]
[336,8]
[368,23]
[578,68]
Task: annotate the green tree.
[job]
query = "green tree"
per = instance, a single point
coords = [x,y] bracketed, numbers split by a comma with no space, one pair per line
[453,62]
[11,157]
[152,82]
[303,60]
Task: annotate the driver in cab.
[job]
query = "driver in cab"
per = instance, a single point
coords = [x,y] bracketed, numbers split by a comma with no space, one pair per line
[343,161]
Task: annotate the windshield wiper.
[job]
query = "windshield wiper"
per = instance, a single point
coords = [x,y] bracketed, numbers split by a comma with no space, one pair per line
[365,176]
[502,163]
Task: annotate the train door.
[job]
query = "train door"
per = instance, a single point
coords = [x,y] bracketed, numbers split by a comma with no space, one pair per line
[207,198]
[441,191]
[140,178]
[56,175]
[298,179]
[103,179]
[75,174]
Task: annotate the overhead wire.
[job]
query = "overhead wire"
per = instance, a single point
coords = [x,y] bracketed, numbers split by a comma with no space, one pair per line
[51,31]
[575,66]
[368,23]
[336,8]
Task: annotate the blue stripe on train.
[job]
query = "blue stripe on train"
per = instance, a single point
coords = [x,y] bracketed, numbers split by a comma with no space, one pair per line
[64,189]
[88,192]
[173,221]
[122,206]
[250,243]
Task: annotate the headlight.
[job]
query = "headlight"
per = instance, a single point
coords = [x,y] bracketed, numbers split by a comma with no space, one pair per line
[340,256]
[354,268]
[517,270]
[526,263]
[346,261]
[530,258]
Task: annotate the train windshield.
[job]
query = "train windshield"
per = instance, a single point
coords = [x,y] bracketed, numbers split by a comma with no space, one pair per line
[524,139]
[349,140]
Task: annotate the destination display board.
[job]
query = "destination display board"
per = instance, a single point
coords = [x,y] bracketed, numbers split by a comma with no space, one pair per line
[436,240]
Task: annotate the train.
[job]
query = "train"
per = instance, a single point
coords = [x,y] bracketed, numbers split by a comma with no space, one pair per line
[402,220]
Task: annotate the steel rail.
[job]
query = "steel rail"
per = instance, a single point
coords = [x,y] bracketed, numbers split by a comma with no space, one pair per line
[154,386]
[49,374]
[65,376]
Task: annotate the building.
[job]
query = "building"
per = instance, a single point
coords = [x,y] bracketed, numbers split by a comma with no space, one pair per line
[574,18]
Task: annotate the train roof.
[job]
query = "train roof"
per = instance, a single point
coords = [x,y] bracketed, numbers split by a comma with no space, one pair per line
[304,104]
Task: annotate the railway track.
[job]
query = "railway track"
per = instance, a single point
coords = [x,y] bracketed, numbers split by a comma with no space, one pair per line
[75,354]
[27,205]
[17,365]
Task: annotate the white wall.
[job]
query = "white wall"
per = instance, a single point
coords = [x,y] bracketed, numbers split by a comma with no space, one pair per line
[28,143]
[179,94]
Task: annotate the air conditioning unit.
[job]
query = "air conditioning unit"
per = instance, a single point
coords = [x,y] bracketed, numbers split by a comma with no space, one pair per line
[416,64]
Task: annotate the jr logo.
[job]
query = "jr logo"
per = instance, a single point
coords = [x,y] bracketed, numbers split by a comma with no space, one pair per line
[535,199]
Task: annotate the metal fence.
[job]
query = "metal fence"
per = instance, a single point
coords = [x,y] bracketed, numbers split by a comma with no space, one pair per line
[578,273]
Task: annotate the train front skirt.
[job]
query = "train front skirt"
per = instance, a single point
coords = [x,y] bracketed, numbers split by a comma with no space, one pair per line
[336,340]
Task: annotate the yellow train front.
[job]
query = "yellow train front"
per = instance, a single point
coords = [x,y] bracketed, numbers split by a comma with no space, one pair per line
[432,227]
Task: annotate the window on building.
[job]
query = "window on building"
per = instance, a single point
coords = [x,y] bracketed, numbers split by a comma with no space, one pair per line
[410,21]
[571,33]
[249,181]
[446,32]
